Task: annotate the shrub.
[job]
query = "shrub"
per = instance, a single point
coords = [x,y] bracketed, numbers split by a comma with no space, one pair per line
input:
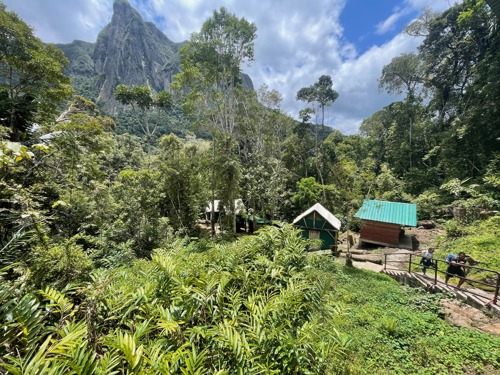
[60,264]
[454,229]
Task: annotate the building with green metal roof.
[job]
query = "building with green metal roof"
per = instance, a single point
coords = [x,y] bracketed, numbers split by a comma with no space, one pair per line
[382,221]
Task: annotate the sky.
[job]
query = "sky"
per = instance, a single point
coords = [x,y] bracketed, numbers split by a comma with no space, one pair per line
[297,40]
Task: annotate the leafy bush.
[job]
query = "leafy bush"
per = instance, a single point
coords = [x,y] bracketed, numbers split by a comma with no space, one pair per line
[428,204]
[258,305]
[454,229]
[60,264]
[400,331]
[481,241]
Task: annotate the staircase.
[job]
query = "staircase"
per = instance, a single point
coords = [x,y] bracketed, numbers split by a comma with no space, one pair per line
[472,296]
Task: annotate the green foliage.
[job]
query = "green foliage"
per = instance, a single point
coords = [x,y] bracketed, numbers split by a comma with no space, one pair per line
[210,69]
[32,80]
[259,305]
[320,92]
[402,75]
[88,208]
[389,187]
[308,193]
[428,204]
[479,240]
[251,306]
[60,264]
[471,201]
[180,181]
[398,331]
[454,229]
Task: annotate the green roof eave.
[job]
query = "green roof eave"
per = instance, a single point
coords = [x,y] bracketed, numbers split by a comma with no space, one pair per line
[388,212]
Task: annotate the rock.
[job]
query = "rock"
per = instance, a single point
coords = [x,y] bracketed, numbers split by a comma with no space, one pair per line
[427,224]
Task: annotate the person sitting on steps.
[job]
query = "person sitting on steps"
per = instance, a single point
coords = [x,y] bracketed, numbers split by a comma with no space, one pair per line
[426,261]
[455,268]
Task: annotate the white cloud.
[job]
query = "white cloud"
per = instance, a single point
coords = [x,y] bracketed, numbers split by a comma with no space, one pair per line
[297,42]
[390,22]
[358,83]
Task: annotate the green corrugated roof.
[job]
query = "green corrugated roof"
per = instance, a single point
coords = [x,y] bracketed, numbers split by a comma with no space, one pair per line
[388,212]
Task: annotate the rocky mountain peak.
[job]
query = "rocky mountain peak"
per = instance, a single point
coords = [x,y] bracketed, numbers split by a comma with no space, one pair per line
[128,51]
[123,12]
[132,52]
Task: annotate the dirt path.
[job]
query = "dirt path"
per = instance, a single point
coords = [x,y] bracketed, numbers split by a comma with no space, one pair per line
[455,312]
[462,315]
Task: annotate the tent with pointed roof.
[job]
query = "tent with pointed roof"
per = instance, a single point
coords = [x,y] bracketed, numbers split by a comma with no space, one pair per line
[319,223]
[238,204]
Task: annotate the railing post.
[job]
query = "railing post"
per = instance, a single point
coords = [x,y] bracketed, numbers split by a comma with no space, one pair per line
[435,272]
[385,262]
[409,265]
[496,289]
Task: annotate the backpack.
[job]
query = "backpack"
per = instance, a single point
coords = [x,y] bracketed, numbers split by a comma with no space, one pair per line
[449,257]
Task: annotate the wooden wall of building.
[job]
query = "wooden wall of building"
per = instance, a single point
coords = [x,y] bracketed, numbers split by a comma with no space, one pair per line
[380,233]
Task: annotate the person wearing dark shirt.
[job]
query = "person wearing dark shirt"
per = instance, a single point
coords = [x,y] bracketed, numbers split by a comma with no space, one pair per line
[455,268]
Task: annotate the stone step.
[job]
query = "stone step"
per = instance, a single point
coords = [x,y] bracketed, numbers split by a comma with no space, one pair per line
[476,301]
[461,295]
[423,279]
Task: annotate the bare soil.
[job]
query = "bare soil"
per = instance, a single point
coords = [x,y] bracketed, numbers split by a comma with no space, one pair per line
[455,312]
[462,315]
[422,239]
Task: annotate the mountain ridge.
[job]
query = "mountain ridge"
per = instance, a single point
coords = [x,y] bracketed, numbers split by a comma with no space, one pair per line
[128,50]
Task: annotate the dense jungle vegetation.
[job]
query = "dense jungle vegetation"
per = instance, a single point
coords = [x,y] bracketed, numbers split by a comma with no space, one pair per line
[104,270]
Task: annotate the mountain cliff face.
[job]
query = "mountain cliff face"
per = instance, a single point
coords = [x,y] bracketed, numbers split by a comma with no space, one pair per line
[127,51]
[133,52]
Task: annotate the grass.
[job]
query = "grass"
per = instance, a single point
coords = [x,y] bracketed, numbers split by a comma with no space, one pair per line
[399,330]
[481,241]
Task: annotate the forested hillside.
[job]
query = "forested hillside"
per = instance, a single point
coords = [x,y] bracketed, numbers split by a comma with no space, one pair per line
[106,269]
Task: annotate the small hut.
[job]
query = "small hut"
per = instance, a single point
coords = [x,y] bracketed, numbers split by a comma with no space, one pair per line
[239,210]
[382,222]
[319,223]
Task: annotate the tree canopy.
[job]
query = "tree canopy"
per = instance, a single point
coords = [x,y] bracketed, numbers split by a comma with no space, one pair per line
[33,80]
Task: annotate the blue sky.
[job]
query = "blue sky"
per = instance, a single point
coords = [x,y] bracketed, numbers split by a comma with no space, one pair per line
[368,23]
[297,42]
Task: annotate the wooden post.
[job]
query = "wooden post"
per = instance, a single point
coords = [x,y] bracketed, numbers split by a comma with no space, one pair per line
[496,290]
[348,260]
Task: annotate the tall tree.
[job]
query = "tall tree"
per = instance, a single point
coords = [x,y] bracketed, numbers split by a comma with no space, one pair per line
[211,69]
[322,93]
[403,75]
[32,82]
[180,181]
[142,98]
[211,77]
[460,62]
[262,132]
